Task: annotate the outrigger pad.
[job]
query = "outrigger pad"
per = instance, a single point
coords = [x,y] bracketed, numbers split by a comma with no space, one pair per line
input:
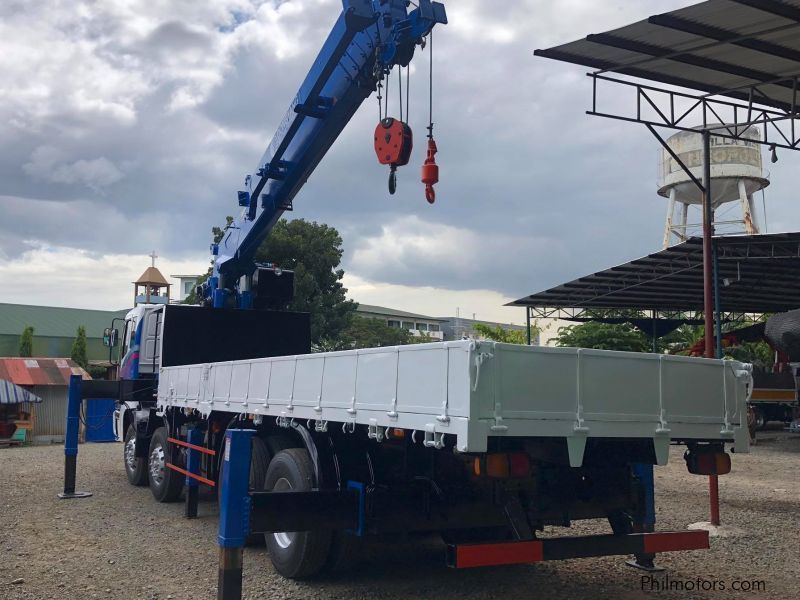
[644,565]
[73,495]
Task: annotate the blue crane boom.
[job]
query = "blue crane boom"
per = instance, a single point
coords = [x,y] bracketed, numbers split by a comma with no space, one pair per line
[369,38]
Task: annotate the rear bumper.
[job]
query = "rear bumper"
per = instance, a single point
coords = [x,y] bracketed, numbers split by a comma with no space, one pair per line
[462,556]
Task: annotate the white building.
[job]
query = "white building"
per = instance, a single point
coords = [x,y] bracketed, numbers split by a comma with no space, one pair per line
[186,284]
[417,324]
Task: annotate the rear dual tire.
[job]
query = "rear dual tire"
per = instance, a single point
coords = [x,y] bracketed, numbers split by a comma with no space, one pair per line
[298,554]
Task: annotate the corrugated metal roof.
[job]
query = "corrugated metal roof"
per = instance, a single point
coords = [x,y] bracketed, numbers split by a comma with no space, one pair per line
[391,312]
[758,274]
[719,46]
[53,321]
[39,371]
[11,393]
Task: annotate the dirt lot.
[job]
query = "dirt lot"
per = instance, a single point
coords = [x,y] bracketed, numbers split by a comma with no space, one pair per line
[121,544]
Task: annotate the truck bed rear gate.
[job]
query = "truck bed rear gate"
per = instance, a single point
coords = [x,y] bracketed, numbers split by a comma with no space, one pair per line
[461,556]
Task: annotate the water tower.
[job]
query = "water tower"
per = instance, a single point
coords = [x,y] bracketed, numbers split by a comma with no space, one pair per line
[736,174]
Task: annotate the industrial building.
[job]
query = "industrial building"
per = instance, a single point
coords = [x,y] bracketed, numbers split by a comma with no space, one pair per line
[55,328]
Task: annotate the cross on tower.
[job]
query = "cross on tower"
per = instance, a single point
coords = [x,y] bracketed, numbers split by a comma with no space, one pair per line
[153,256]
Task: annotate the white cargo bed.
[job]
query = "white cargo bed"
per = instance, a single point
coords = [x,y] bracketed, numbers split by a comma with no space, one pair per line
[473,390]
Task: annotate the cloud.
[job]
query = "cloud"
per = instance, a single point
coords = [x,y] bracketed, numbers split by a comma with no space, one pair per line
[436,301]
[409,250]
[129,126]
[47,163]
[64,276]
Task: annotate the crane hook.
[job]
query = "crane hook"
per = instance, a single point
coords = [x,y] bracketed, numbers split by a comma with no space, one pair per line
[430,171]
[392,179]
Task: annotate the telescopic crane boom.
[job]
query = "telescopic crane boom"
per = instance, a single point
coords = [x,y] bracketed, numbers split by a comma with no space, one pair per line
[370,37]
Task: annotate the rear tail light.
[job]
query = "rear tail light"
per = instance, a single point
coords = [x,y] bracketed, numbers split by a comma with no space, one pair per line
[514,465]
[519,465]
[707,462]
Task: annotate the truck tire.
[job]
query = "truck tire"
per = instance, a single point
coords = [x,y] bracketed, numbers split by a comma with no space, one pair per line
[259,463]
[621,522]
[135,466]
[165,484]
[344,554]
[298,554]
[760,417]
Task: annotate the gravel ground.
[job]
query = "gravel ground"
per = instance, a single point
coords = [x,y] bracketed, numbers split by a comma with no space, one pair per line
[122,544]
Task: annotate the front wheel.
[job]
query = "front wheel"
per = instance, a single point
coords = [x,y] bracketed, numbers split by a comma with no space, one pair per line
[165,483]
[295,554]
[761,418]
[135,466]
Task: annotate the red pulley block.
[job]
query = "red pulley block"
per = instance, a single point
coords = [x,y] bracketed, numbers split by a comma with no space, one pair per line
[430,172]
[393,142]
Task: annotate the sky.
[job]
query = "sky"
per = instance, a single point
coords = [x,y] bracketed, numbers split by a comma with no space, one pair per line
[128,125]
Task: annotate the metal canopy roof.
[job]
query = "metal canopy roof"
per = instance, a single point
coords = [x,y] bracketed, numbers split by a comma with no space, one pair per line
[723,47]
[762,274]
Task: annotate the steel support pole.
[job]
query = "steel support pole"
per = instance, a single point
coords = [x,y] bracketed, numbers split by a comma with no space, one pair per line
[528,322]
[194,437]
[713,495]
[71,440]
[234,513]
[708,297]
[654,323]
[717,302]
[647,523]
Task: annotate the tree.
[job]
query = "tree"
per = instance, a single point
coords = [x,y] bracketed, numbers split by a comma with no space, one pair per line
[26,342]
[363,332]
[78,354]
[219,232]
[603,336]
[500,334]
[313,251]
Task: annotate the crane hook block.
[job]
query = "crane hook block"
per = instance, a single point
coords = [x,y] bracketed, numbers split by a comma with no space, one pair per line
[430,172]
[393,142]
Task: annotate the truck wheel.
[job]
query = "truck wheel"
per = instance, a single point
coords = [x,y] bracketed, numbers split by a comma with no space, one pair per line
[345,552]
[165,483]
[135,466]
[295,554]
[760,418]
[621,522]
[259,463]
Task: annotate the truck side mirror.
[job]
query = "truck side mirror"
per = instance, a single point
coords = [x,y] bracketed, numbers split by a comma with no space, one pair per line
[110,337]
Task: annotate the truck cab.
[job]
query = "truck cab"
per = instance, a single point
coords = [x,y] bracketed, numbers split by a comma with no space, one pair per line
[139,356]
[140,351]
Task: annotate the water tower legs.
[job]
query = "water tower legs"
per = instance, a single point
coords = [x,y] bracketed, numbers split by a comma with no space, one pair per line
[676,232]
[668,225]
[753,214]
[747,209]
[684,235]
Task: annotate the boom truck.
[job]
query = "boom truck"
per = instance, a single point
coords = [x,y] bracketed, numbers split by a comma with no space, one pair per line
[492,446]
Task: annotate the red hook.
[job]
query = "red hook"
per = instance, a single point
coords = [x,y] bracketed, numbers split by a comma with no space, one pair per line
[430,172]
